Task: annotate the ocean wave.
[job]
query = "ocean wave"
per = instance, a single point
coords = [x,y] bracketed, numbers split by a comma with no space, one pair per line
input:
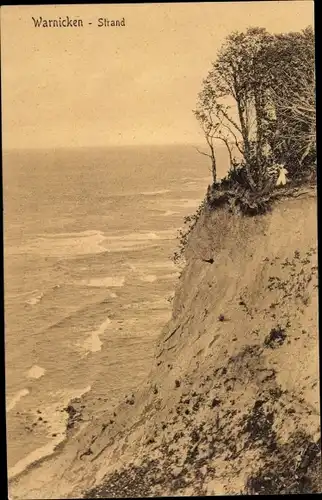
[161,304]
[125,194]
[142,266]
[36,372]
[104,282]
[131,246]
[145,271]
[169,213]
[89,242]
[187,202]
[162,264]
[74,234]
[66,320]
[35,297]
[153,193]
[18,295]
[135,237]
[93,342]
[170,276]
[57,420]
[139,240]
[34,300]
[64,244]
[16,398]
[149,278]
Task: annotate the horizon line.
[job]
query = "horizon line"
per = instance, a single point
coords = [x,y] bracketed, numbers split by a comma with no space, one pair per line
[104,146]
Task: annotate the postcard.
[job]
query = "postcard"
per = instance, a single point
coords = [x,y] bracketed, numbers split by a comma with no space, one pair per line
[160,249]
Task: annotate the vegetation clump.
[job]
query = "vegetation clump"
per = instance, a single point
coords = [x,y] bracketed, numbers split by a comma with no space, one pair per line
[275,338]
[295,468]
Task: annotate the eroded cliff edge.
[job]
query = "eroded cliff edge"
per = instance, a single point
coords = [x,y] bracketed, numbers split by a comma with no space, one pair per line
[231,405]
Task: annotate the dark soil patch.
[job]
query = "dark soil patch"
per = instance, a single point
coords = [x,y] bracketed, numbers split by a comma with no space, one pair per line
[258,425]
[285,473]
[275,338]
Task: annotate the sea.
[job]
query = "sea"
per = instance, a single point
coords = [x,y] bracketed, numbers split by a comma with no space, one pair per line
[88,238]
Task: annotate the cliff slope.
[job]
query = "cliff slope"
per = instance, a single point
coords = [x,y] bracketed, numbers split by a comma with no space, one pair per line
[232,403]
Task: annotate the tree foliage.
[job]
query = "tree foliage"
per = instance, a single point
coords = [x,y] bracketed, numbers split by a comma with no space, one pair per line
[259,100]
[293,99]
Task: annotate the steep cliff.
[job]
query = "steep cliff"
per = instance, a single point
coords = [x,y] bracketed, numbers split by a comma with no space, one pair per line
[232,403]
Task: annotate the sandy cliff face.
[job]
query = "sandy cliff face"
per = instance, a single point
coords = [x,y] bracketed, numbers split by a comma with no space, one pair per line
[232,403]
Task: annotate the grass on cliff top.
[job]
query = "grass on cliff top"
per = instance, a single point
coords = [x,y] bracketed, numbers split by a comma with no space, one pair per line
[234,193]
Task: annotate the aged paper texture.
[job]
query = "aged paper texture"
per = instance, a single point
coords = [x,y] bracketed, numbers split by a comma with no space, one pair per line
[160,249]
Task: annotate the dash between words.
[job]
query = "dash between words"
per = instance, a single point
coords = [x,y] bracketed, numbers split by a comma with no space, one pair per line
[69,22]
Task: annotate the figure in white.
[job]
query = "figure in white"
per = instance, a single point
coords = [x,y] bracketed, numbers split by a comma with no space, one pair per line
[281,181]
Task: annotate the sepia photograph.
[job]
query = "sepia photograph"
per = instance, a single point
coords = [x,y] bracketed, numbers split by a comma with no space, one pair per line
[159,176]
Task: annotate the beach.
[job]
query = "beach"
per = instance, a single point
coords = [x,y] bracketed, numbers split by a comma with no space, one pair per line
[88,278]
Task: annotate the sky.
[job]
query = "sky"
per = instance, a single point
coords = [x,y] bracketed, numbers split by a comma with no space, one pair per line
[131,85]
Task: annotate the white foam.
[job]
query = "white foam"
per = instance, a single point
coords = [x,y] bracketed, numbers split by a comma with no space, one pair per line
[191,183]
[81,234]
[188,203]
[65,244]
[35,455]
[152,193]
[131,266]
[35,299]
[168,213]
[16,398]
[169,276]
[18,295]
[105,282]
[150,278]
[168,264]
[136,237]
[136,241]
[57,424]
[36,372]
[141,269]
[93,343]
[123,246]
[67,394]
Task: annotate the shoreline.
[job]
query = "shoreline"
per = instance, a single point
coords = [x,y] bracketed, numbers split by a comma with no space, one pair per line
[56,445]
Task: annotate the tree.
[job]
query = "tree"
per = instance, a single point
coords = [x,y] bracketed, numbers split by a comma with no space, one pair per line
[293,98]
[258,98]
[212,119]
[232,103]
